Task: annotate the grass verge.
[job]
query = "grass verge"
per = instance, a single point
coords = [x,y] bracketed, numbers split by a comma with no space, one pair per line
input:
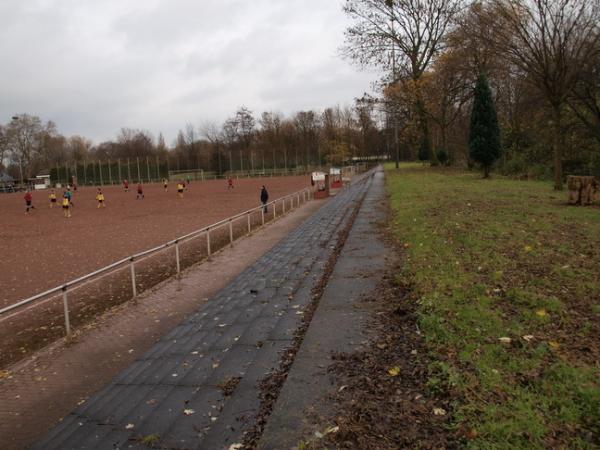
[506,279]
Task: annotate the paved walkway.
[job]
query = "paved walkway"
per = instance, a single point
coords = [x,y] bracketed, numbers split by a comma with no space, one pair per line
[198,386]
[358,271]
[46,387]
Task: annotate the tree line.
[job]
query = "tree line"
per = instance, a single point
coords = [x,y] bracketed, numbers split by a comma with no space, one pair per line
[540,57]
[244,142]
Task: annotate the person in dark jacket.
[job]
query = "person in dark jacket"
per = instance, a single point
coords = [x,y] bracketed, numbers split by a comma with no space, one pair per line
[264,197]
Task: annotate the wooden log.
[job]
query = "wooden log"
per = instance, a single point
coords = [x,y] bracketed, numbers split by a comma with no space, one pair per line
[582,189]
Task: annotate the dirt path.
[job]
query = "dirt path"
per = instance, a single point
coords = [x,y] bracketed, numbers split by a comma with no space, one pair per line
[39,391]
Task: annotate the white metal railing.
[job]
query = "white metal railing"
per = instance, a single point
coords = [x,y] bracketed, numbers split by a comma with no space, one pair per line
[298,198]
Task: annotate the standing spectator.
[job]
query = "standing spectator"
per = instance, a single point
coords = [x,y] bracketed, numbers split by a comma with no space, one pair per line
[28,200]
[264,197]
[140,192]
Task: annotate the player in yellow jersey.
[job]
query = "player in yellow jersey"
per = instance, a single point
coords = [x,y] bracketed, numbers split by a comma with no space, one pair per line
[52,198]
[100,199]
[180,189]
[65,205]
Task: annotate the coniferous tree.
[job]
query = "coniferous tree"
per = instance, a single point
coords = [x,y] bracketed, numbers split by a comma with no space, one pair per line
[484,134]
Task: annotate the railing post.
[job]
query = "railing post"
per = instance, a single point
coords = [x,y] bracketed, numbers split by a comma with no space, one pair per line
[230,232]
[208,242]
[249,224]
[133,287]
[283,206]
[262,216]
[66,308]
[274,209]
[177,257]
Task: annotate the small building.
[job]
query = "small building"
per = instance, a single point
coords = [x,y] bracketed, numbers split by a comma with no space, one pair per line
[41,182]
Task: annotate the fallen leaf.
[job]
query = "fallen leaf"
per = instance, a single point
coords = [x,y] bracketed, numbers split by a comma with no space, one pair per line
[342,388]
[213,419]
[188,412]
[541,313]
[528,248]
[394,371]
[439,411]
[554,345]
[505,340]
[129,426]
[334,429]
[4,374]
[215,365]
[528,337]
[236,446]
[471,434]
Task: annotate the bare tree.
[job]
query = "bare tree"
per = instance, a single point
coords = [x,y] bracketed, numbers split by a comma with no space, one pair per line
[24,133]
[214,135]
[584,101]
[407,32]
[4,147]
[270,123]
[550,40]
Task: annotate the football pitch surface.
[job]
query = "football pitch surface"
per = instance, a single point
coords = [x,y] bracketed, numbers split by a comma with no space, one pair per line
[43,249]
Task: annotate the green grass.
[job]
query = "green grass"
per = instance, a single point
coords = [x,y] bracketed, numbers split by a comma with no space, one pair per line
[497,258]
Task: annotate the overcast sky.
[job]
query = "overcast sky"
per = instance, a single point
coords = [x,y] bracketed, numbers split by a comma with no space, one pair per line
[94,66]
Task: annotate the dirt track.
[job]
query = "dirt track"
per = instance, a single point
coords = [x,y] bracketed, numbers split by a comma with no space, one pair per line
[43,249]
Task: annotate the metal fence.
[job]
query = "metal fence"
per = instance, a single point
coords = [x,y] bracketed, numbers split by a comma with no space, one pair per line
[34,322]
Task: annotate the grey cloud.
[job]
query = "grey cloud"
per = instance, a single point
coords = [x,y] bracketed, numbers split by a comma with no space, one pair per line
[97,66]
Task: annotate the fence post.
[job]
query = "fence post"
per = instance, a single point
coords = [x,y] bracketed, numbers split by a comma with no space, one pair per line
[110,173]
[133,287]
[230,232]
[208,242]
[262,214]
[177,257]
[274,209]
[100,170]
[249,224]
[283,206]
[66,308]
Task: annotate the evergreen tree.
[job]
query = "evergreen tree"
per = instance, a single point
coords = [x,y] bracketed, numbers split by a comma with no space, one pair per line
[484,135]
